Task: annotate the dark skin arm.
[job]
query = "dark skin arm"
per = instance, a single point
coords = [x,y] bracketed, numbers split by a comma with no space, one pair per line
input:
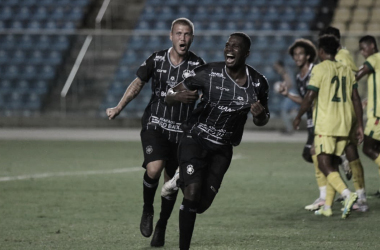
[305,106]
[359,115]
[181,94]
[364,70]
[259,113]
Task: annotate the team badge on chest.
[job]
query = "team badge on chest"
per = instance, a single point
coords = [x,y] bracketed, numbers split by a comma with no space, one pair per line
[190,169]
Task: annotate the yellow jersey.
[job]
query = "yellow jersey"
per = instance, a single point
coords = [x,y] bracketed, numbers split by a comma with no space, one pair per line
[373,106]
[334,83]
[344,57]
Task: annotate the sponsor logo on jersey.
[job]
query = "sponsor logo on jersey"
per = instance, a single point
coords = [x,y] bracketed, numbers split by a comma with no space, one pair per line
[215,74]
[193,63]
[226,109]
[149,149]
[172,82]
[256,84]
[166,124]
[190,169]
[159,58]
[212,130]
[223,89]
[163,93]
[239,101]
[161,70]
[187,73]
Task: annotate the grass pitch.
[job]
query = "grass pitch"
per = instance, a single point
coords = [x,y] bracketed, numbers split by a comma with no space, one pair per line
[88,195]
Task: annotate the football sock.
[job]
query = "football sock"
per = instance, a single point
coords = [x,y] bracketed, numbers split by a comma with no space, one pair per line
[357,174]
[187,216]
[330,194]
[361,194]
[320,177]
[150,187]
[167,204]
[336,182]
[322,192]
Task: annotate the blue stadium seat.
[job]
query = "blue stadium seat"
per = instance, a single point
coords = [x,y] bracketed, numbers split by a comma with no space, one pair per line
[289,14]
[47,73]
[26,42]
[266,26]
[23,14]
[284,26]
[29,72]
[9,2]
[75,14]
[6,13]
[4,57]
[6,86]
[143,25]
[306,14]
[302,26]
[53,58]
[34,25]
[23,87]
[123,73]
[33,102]
[68,25]
[18,57]
[137,42]
[218,13]
[16,24]
[161,25]
[44,42]
[40,87]
[60,42]
[129,57]
[213,25]
[200,13]
[253,14]
[10,72]
[271,14]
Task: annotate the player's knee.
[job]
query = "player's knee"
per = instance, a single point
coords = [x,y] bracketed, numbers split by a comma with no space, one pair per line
[192,192]
[367,150]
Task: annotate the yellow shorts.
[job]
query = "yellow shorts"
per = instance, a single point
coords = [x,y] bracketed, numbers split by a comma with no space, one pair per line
[372,129]
[332,145]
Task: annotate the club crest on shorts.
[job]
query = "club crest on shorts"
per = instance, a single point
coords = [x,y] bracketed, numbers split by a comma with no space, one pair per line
[190,169]
[149,149]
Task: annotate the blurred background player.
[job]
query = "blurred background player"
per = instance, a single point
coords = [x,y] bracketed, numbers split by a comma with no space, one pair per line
[351,163]
[231,89]
[287,106]
[161,124]
[371,67]
[304,54]
[334,88]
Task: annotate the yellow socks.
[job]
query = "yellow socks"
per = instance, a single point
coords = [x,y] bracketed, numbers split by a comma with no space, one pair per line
[357,174]
[330,195]
[336,182]
[319,176]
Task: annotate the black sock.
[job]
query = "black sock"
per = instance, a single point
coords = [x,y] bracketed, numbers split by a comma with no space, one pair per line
[187,216]
[150,187]
[167,204]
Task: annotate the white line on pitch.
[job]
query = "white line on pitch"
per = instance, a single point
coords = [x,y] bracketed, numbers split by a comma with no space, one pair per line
[58,174]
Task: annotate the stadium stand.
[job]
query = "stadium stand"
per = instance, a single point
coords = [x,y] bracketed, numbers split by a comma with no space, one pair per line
[29,62]
[244,15]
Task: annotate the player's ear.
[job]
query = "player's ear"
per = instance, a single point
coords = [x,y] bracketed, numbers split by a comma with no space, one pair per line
[171,36]
[247,54]
[307,57]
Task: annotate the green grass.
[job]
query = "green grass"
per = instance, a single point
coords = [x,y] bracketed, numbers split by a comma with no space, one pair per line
[260,204]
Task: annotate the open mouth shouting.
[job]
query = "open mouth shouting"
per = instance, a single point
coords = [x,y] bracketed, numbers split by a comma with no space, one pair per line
[230,58]
[182,47]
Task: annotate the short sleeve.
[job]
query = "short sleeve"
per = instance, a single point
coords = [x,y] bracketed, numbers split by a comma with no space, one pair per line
[145,71]
[315,79]
[371,63]
[263,95]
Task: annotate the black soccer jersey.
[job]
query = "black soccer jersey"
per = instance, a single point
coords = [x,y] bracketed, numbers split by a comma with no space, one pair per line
[302,84]
[222,112]
[158,115]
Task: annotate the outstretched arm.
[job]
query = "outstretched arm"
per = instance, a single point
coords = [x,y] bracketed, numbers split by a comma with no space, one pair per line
[132,91]
[181,94]
[305,106]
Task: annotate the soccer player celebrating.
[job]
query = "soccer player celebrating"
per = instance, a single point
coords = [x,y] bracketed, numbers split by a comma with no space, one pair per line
[160,123]
[371,67]
[352,165]
[230,90]
[333,87]
[304,53]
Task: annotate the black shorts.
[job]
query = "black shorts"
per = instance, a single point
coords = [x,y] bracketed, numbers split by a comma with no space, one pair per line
[202,161]
[156,146]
